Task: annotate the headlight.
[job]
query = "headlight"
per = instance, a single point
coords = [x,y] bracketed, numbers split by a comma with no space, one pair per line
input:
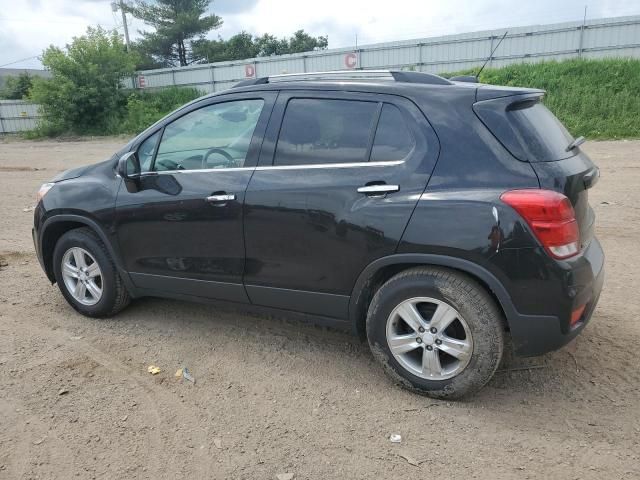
[43,191]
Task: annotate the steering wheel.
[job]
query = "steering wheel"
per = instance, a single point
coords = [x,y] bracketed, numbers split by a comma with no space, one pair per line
[170,164]
[228,158]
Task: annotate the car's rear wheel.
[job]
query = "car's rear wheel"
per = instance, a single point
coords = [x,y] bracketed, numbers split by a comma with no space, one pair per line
[436,331]
[86,274]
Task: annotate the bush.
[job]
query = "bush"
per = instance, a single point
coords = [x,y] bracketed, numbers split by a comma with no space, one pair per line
[16,88]
[85,94]
[599,99]
[147,107]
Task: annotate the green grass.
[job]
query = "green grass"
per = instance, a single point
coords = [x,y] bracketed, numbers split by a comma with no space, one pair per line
[599,99]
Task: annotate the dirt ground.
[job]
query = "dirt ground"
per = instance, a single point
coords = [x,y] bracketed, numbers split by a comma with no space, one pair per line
[273,396]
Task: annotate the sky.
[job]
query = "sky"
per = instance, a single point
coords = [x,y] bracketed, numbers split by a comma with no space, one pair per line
[27,27]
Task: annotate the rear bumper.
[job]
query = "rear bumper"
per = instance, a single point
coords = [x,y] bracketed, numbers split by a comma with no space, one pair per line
[538,334]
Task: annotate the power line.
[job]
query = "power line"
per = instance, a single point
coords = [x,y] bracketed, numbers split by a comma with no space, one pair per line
[18,61]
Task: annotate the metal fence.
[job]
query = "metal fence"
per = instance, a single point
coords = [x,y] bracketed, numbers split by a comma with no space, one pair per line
[599,38]
[17,116]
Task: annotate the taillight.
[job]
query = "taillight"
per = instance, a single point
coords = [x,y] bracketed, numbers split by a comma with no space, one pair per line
[551,217]
[576,315]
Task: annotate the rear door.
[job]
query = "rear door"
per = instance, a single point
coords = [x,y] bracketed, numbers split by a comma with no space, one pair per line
[339,176]
[180,225]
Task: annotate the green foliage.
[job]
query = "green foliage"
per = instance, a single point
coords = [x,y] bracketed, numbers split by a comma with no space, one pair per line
[16,88]
[599,99]
[244,45]
[85,94]
[147,107]
[175,23]
[303,42]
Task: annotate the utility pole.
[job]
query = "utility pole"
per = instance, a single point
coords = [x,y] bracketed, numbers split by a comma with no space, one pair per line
[584,22]
[124,22]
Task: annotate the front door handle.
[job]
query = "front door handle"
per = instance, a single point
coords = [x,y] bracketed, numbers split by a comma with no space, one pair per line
[379,189]
[221,198]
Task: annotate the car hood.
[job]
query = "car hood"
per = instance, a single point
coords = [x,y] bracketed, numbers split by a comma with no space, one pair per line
[78,172]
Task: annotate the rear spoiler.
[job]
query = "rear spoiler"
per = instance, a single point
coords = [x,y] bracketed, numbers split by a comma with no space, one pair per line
[490,92]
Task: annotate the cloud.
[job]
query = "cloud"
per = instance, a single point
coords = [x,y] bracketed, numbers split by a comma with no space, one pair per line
[226,7]
[27,27]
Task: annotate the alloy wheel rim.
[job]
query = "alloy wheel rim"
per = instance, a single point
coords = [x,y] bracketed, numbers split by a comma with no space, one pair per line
[429,338]
[82,276]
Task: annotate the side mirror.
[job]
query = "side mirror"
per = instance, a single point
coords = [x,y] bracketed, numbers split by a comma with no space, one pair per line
[129,166]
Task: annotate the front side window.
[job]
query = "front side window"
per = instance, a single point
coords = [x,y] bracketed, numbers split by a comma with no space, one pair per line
[146,151]
[216,136]
[317,131]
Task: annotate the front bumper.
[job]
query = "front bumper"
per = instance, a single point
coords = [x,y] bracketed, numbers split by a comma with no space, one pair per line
[538,334]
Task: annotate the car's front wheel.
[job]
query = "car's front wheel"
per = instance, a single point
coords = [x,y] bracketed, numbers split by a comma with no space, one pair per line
[436,331]
[86,274]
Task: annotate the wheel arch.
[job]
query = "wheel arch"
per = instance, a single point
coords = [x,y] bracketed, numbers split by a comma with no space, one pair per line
[56,226]
[380,270]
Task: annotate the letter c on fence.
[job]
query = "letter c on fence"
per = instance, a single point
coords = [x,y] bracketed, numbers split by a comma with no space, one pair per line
[350,60]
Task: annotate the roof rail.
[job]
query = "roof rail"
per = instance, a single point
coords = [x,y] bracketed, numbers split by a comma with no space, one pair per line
[349,75]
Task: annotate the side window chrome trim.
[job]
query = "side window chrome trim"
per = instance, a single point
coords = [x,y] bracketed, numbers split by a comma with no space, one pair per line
[314,166]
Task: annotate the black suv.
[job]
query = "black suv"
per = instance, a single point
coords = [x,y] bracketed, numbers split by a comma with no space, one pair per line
[434,217]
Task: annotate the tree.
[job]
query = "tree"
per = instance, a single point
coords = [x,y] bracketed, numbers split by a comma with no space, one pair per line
[175,23]
[240,46]
[85,92]
[17,88]
[243,45]
[303,42]
[269,45]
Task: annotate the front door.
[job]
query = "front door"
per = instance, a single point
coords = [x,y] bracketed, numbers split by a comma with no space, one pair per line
[339,176]
[180,226]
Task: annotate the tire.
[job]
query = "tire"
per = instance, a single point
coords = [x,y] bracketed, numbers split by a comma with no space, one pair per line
[470,347]
[113,295]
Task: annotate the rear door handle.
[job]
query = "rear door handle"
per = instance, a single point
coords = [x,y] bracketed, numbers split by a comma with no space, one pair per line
[382,189]
[225,197]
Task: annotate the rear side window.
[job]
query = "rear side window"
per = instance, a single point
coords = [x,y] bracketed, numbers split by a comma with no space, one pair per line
[527,129]
[317,131]
[393,139]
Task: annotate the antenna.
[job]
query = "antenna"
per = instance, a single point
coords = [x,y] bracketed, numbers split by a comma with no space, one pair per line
[491,55]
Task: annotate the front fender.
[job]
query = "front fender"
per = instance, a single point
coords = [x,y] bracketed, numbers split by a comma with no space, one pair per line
[57,225]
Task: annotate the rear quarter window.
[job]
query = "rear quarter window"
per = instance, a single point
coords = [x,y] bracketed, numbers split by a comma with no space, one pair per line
[393,139]
[526,128]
